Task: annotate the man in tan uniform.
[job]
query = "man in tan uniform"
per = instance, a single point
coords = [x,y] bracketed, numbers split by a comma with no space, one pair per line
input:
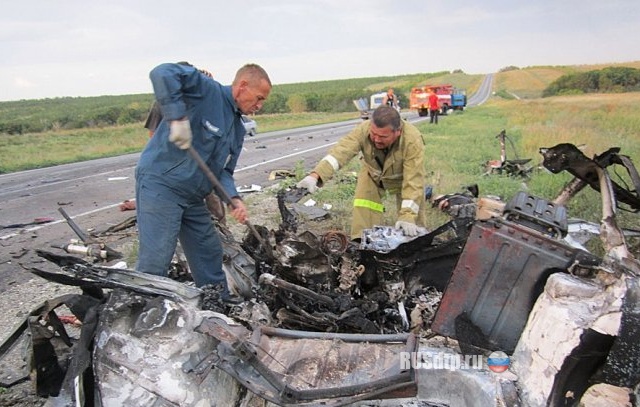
[392,161]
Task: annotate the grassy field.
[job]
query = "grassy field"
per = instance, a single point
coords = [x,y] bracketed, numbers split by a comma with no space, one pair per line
[467,140]
[458,148]
[529,82]
[27,151]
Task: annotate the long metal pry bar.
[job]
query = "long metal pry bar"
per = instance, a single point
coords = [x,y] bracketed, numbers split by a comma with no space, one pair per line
[226,198]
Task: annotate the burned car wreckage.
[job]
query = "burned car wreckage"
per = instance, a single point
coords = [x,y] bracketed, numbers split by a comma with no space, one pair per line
[326,322]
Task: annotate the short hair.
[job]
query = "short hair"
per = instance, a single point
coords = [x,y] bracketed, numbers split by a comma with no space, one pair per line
[385,115]
[252,72]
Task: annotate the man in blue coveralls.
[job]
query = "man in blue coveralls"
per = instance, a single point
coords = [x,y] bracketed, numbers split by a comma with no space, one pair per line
[170,187]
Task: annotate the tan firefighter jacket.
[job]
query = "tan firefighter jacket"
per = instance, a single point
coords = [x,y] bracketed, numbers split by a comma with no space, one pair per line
[400,171]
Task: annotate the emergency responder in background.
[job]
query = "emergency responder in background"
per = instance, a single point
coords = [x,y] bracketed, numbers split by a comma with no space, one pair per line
[434,108]
[392,162]
[390,99]
[198,113]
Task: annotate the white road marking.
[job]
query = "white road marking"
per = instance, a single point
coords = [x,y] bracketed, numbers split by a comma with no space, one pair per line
[285,156]
[31,229]
[55,222]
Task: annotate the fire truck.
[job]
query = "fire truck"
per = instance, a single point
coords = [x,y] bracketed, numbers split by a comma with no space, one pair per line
[449,97]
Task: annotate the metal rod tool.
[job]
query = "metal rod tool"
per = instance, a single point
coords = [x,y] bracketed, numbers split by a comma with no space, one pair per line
[225,196]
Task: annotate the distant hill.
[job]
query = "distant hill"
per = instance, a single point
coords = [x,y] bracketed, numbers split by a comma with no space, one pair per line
[529,82]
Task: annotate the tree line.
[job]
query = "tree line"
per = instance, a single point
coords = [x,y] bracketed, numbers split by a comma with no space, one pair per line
[606,80]
[35,116]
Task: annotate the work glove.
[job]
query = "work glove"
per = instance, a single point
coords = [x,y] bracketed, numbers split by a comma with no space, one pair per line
[408,228]
[310,183]
[180,133]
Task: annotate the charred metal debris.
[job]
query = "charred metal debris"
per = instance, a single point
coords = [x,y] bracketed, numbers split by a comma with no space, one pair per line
[513,167]
[324,319]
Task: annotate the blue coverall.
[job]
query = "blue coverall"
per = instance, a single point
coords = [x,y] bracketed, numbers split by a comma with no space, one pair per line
[170,187]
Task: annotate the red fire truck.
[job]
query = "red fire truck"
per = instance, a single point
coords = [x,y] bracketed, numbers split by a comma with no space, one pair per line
[449,97]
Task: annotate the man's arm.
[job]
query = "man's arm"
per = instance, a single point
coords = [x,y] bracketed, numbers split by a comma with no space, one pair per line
[342,153]
[413,177]
[170,82]
[338,156]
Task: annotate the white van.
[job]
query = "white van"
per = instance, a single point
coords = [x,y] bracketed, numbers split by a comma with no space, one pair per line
[376,100]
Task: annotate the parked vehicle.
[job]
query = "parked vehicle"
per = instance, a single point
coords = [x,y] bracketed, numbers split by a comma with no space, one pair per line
[367,107]
[376,100]
[449,98]
[250,125]
[363,107]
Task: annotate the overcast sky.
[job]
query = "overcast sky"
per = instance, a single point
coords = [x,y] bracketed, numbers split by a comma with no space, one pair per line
[85,48]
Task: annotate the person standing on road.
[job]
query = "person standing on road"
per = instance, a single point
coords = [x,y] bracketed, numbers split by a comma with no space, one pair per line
[197,112]
[390,99]
[434,108]
[392,162]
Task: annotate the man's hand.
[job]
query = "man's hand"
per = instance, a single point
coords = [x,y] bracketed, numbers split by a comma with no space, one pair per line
[206,73]
[310,183]
[180,133]
[238,210]
[408,228]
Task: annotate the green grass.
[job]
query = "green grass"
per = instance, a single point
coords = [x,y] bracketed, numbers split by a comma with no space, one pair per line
[460,145]
[274,122]
[28,151]
[529,82]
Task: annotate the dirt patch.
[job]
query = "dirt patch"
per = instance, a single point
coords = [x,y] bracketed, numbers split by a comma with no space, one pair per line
[263,210]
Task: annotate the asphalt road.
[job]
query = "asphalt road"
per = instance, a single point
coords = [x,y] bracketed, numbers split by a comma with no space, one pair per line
[90,192]
[87,187]
[483,94]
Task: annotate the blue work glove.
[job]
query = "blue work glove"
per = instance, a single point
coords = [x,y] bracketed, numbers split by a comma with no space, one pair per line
[408,228]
